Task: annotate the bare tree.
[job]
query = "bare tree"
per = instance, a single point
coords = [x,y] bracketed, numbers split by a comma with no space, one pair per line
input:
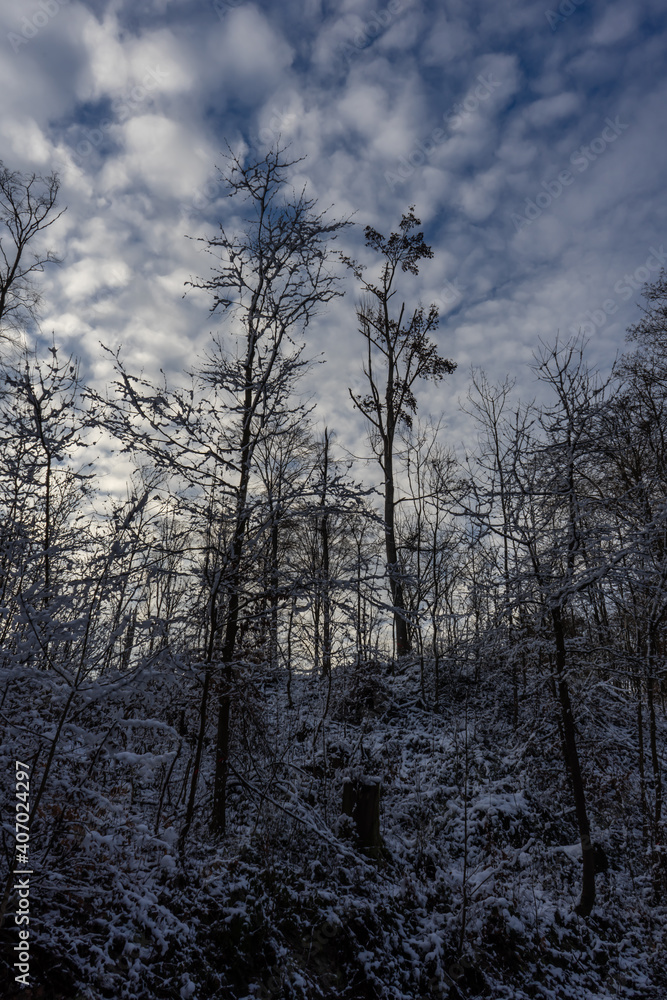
[44,421]
[27,207]
[398,352]
[542,493]
[269,279]
[635,436]
[431,539]
[284,461]
[272,278]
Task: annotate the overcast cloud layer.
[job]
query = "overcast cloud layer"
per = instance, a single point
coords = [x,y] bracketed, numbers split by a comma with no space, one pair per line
[531,138]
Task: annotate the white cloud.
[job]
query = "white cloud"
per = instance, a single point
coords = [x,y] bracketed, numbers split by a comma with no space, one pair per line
[449,39]
[617,22]
[244,54]
[26,141]
[123,66]
[548,110]
[479,197]
[263,70]
[158,153]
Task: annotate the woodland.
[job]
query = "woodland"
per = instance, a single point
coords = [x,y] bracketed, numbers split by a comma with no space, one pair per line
[282,729]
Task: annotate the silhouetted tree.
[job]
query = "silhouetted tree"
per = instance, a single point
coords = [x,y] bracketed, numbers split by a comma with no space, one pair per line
[27,206]
[398,352]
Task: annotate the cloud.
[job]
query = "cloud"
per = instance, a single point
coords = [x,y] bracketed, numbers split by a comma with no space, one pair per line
[479,197]
[245,55]
[543,113]
[618,21]
[133,104]
[26,140]
[157,155]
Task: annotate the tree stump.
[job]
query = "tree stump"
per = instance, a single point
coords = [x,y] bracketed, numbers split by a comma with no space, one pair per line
[361,801]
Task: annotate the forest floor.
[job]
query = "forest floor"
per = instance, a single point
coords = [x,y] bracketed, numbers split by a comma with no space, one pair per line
[471,894]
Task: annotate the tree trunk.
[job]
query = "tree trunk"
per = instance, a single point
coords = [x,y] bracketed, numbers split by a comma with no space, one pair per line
[273,640]
[190,810]
[655,758]
[642,767]
[361,801]
[219,812]
[326,589]
[393,565]
[587,899]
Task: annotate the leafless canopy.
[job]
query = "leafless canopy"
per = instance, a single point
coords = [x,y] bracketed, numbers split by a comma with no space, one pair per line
[27,203]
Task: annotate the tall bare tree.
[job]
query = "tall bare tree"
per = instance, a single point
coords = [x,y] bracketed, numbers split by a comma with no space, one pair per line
[543,493]
[271,278]
[398,353]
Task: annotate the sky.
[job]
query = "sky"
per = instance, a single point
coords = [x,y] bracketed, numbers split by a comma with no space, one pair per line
[531,138]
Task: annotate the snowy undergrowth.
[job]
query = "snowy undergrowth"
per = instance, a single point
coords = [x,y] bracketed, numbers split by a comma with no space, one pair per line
[472,895]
